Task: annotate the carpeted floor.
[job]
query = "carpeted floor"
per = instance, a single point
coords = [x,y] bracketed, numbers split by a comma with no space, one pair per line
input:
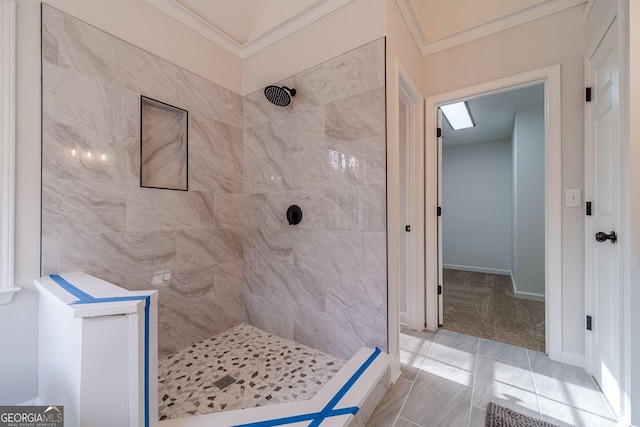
[483,305]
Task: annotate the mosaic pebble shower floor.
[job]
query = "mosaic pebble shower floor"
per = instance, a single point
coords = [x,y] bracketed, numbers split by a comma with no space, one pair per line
[240,368]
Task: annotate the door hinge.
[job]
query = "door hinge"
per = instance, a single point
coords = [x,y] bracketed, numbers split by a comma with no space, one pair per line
[588,208]
[439,133]
[439,290]
[439,211]
[588,94]
[589,323]
[407,228]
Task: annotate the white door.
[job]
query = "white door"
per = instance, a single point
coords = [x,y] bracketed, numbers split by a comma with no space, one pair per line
[603,251]
[439,219]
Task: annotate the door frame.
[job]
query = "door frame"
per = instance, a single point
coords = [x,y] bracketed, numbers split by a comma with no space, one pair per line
[550,76]
[401,89]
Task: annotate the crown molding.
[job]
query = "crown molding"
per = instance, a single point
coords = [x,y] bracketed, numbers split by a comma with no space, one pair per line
[509,20]
[244,50]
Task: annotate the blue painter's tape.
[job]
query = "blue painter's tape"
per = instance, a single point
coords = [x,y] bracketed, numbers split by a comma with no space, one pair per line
[345,388]
[85,298]
[328,411]
[300,418]
[147,306]
[81,295]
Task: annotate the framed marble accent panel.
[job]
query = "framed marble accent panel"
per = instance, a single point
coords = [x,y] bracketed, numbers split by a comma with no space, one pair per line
[163,145]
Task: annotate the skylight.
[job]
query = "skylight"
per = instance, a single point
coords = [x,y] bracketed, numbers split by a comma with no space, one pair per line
[458,115]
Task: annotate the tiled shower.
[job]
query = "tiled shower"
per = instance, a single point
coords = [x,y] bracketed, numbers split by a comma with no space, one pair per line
[221,253]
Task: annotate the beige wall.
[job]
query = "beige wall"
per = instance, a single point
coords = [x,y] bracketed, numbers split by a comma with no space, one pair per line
[555,39]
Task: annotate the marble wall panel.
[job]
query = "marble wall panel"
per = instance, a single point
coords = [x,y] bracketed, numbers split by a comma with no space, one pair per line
[81,101]
[73,153]
[357,117]
[276,317]
[158,209]
[215,156]
[359,162]
[110,60]
[95,216]
[323,280]
[82,206]
[355,72]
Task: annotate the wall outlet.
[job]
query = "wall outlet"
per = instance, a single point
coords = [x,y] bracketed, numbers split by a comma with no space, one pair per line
[573,197]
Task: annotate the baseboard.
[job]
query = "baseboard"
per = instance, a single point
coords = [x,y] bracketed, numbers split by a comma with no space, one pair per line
[529,295]
[477,269]
[575,359]
[516,293]
[525,295]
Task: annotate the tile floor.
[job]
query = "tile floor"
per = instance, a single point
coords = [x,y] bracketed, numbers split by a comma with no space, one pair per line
[449,378]
[240,368]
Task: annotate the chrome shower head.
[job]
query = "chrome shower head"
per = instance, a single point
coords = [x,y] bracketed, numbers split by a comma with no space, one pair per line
[279,95]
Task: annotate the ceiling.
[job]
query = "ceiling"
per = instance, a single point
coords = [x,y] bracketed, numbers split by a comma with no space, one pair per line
[246,20]
[244,27]
[494,116]
[442,18]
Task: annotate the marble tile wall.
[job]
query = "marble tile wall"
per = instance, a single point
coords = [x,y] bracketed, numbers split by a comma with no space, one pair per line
[95,216]
[322,282]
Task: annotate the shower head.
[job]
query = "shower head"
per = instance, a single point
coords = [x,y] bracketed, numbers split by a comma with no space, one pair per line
[279,95]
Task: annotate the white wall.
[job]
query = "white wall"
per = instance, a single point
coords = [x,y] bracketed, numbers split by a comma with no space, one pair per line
[528,168]
[555,39]
[476,206]
[19,349]
[334,34]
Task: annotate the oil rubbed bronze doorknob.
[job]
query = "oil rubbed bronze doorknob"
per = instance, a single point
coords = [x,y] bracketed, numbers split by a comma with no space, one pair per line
[601,236]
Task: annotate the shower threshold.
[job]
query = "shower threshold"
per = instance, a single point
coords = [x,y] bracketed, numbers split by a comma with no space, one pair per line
[246,376]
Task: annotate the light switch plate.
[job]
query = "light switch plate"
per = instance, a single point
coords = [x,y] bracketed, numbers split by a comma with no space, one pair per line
[573,197]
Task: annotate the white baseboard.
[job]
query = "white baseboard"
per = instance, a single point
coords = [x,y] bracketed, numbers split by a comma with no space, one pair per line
[518,294]
[477,269]
[575,359]
[525,295]
[528,295]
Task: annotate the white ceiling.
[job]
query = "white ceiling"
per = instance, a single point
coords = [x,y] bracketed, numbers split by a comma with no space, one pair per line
[246,20]
[244,27]
[494,116]
[442,18]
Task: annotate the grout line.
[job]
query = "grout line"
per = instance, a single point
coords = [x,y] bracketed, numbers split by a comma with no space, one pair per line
[473,383]
[413,383]
[535,388]
[409,421]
